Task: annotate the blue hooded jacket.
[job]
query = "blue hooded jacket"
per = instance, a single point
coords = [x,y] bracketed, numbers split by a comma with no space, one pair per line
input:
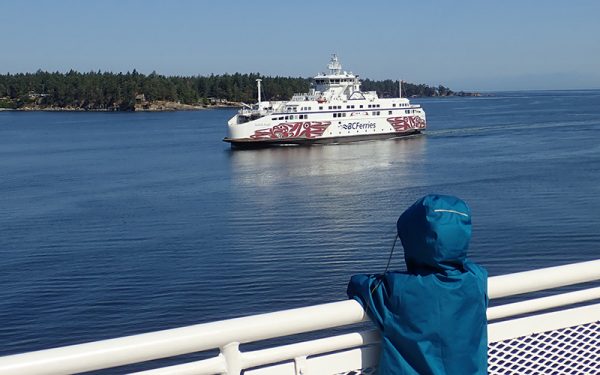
[432,317]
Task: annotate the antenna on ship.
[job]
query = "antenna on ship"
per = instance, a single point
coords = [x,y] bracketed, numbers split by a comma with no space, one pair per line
[334,65]
[258,81]
[400,88]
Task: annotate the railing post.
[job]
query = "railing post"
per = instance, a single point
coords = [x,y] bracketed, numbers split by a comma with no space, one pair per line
[233,358]
[300,365]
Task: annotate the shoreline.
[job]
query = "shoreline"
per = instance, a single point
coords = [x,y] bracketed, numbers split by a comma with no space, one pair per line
[166,108]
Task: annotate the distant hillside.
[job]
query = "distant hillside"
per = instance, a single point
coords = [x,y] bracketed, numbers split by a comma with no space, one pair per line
[135,91]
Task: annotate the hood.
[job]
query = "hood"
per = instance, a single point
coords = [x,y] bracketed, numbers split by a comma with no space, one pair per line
[435,233]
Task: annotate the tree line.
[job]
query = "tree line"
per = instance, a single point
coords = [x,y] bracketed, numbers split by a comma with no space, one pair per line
[121,91]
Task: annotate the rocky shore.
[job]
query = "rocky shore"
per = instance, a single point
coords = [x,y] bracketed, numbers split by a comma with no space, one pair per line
[154,106]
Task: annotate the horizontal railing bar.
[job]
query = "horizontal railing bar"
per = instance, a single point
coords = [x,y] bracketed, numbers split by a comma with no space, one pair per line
[168,343]
[543,303]
[210,366]
[542,279]
[307,348]
[510,329]
[277,354]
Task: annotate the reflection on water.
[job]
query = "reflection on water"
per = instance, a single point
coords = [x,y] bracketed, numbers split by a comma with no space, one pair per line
[272,166]
[318,209]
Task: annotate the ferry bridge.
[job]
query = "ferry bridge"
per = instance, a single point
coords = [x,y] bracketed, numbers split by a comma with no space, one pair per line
[555,334]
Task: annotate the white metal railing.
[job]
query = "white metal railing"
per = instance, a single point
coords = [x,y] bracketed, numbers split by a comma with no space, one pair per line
[348,351]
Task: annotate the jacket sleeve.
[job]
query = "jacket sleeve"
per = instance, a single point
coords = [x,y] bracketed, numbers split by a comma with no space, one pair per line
[368,290]
[482,275]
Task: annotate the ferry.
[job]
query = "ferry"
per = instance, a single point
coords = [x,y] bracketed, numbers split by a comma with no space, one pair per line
[335,110]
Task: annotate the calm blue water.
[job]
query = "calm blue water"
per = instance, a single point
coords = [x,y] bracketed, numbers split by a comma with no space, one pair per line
[115,224]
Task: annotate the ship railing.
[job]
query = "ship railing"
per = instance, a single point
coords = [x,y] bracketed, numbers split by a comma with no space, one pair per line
[301,97]
[548,334]
[250,112]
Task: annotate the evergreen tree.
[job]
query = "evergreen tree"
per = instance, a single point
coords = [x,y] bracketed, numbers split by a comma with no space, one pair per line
[105,90]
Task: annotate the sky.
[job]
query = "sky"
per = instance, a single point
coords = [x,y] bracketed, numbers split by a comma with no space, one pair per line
[465,45]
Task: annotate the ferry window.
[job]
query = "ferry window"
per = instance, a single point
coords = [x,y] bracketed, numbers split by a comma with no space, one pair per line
[361,106]
[329,107]
[320,108]
[281,118]
[407,111]
[393,105]
[286,117]
[335,115]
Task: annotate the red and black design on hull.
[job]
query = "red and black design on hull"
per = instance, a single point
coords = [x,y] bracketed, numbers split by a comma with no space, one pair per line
[248,143]
[292,130]
[404,123]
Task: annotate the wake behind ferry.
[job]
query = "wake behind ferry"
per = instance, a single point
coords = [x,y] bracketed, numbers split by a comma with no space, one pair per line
[335,110]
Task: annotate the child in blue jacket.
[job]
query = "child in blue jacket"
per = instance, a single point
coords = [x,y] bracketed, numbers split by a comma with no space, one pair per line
[432,317]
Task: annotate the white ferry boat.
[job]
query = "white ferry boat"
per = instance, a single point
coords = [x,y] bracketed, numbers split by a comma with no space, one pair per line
[335,110]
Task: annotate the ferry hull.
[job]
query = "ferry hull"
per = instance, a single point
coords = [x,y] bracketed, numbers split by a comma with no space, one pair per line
[248,143]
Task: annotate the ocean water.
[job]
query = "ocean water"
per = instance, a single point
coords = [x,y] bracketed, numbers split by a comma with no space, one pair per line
[121,223]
